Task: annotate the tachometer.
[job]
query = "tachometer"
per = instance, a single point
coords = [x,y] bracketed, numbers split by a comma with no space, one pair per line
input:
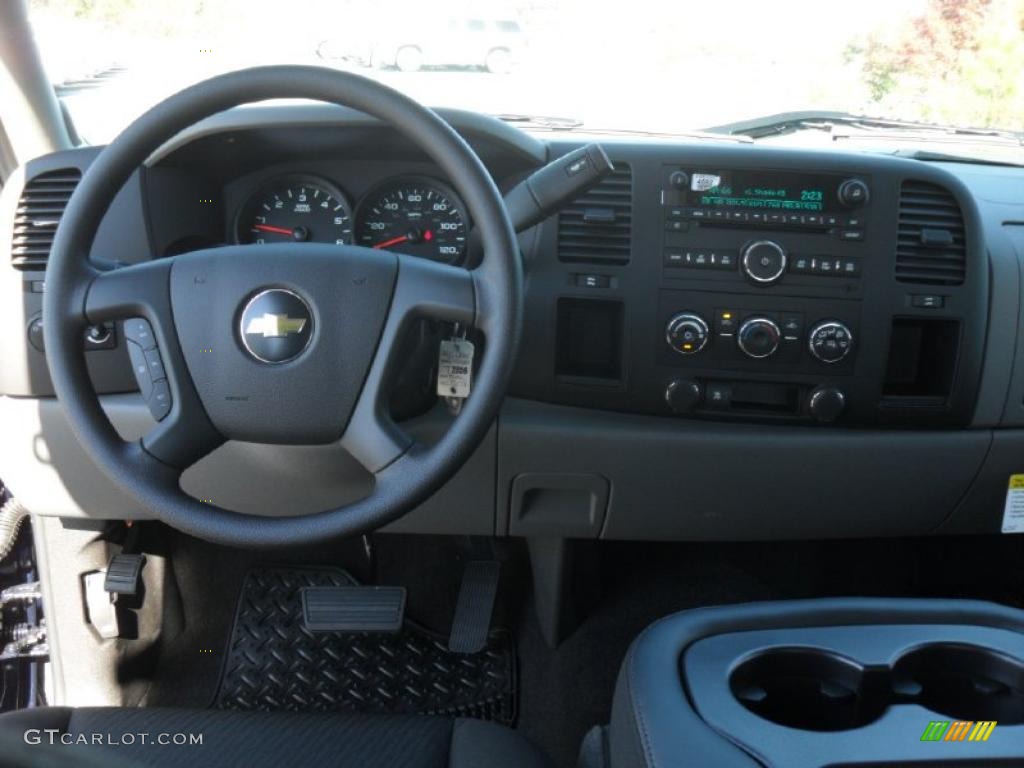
[416,216]
[296,208]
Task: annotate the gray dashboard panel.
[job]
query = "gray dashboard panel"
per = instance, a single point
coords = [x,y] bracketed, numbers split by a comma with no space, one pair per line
[50,473]
[675,479]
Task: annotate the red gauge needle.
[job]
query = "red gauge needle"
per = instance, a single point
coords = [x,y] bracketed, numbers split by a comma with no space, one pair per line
[276,230]
[392,241]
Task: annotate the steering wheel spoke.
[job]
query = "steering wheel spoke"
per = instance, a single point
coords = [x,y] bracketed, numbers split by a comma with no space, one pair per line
[140,295]
[422,289]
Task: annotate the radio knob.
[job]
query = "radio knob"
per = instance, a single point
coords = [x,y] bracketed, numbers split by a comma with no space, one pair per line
[826,404]
[830,341]
[763,261]
[687,333]
[758,337]
[853,193]
[682,395]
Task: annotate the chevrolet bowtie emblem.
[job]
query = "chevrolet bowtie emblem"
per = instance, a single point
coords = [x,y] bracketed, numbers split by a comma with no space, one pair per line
[272,326]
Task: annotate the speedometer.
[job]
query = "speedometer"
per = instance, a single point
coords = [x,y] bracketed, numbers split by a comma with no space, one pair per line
[416,216]
[297,209]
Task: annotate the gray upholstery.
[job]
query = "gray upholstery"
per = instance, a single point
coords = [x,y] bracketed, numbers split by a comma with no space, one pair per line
[257,739]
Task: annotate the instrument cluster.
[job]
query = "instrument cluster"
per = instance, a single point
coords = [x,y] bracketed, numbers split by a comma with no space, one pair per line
[415,215]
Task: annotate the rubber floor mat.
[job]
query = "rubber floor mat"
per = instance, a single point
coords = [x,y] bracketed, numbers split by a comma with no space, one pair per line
[275,663]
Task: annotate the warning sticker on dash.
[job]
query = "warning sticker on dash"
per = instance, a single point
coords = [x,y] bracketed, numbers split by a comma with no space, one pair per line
[1013,512]
[454,368]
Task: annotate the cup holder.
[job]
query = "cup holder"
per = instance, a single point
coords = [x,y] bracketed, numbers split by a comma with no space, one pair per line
[964,682]
[810,689]
[816,690]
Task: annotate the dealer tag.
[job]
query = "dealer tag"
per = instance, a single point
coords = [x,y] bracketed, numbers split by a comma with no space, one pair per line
[454,368]
[1013,512]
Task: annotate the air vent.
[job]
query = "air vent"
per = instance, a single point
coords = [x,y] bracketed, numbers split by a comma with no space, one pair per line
[595,228]
[41,205]
[930,246]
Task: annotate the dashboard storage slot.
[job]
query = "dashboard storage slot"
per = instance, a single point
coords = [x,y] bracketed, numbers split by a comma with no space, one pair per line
[965,682]
[921,368]
[555,504]
[810,689]
[589,341]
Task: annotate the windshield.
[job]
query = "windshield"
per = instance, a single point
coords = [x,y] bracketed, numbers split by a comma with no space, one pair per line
[643,65]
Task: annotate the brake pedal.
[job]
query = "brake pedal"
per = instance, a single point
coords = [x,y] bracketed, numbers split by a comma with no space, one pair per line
[353,609]
[472,622]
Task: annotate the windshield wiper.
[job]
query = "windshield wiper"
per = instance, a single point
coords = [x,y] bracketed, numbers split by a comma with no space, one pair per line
[794,122]
[545,122]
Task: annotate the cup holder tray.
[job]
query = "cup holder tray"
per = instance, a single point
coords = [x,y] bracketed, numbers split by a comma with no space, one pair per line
[821,691]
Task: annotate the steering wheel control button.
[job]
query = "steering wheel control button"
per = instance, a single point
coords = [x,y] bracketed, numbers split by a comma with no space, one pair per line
[830,341]
[758,337]
[276,326]
[160,400]
[156,365]
[763,261]
[687,333]
[140,367]
[137,329]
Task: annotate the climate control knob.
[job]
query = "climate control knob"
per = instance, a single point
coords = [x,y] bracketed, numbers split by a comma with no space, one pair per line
[687,333]
[758,337]
[830,341]
[763,261]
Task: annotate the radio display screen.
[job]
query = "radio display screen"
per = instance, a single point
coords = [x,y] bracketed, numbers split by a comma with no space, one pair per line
[760,190]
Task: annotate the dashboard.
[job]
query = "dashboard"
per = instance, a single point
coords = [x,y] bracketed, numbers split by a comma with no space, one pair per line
[721,340]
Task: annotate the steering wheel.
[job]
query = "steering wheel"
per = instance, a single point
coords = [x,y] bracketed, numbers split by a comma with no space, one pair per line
[288,343]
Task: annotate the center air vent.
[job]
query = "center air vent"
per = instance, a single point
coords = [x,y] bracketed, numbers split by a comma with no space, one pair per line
[930,246]
[40,207]
[595,228]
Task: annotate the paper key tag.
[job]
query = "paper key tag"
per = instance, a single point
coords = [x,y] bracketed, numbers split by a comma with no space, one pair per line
[454,368]
[1013,512]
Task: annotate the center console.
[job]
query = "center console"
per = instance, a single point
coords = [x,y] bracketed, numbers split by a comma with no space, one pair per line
[808,684]
[792,287]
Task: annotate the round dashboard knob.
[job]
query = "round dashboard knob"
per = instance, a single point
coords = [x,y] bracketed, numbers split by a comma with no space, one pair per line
[758,337]
[687,333]
[830,341]
[763,261]
[682,395]
[826,403]
[853,193]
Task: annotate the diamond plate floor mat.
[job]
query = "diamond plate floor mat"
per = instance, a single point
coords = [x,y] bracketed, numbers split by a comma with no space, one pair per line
[275,663]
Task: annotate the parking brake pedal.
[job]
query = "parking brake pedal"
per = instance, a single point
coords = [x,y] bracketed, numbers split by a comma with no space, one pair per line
[353,609]
[472,622]
[124,575]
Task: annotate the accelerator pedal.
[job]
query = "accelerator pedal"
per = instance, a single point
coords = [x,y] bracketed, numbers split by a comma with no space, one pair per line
[472,623]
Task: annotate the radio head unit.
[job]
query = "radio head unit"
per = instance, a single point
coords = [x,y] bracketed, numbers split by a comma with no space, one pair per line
[772,191]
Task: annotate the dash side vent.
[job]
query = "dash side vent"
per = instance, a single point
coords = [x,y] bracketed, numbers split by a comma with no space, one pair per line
[930,241]
[596,228]
[39,211]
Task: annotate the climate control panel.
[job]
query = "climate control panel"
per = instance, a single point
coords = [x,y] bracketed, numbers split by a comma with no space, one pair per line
[735,334]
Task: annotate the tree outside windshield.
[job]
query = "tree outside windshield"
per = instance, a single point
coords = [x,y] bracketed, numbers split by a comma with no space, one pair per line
[643,65]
